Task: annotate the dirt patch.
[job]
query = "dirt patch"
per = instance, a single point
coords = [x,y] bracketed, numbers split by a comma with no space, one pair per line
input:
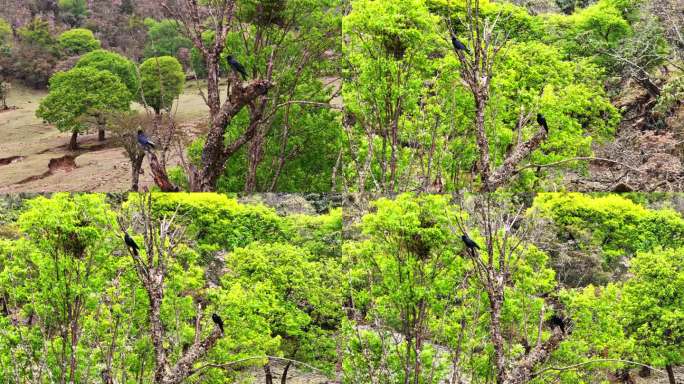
[66,163]
[35,178]
[11,160]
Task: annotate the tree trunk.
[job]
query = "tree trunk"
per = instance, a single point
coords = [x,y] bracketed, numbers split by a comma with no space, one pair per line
[482,141]
[136,165]
[161,178]
[73,144]
[496,303]
[156,327]
[255,155]
[670,374]
[267,373]
[74,346]
[101,124]
[283,379]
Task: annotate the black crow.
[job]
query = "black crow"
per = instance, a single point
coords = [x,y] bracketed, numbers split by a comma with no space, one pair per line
[237,67]
[557,322]
[542,121]
[217,319]
[458,45]
[469,242]
[131,243]
[145,141]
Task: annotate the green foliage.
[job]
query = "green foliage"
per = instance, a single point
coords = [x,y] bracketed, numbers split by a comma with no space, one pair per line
[654,306]
[73,12]
[161,80]
[78,41]
[56,274]
[80,93]
[164,38]
[5,33]
[597,333]
[37,32]
[221,223]
[592,32]
[307,136]
[118,65]
[305,301]
[402,71]
[409,277]
[34,56]
[66,273]
[614,224]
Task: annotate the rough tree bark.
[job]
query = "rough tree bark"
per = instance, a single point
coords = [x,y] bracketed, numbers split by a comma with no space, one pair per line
[161,238]
[73,143]
[240,94]
[476,72]
[670,374]
[159,174]
[136,166]
[101,124]
[493,267]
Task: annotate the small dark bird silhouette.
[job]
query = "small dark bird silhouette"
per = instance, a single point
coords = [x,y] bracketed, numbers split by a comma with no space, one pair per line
[217,319]
[237,67]
[145,141]
[469,242]
[542,121]
[458,45]
[131,243]
[557,322]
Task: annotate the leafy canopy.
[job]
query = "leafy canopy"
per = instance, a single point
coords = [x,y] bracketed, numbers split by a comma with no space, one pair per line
[78,41]
[113,62]
[79,93]
[161,80]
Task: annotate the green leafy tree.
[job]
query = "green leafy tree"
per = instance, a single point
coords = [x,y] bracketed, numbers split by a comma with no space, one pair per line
[5,32]
[593,235]
[306,298]
[161,80]
[33,58]
[654,307]
[116,64]
[73,12]
[599,340]
[78,41]
[416,292]
[164,38]
[81,93]
[416,130]
[67,267]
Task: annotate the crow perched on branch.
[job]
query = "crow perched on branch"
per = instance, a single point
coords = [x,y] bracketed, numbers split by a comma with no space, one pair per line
[237,67]
[145,141]
[470,243]
[131,243]
[542,121]
[458,45]
[218,320]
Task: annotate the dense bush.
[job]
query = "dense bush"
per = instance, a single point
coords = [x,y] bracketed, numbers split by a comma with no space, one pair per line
[78,41]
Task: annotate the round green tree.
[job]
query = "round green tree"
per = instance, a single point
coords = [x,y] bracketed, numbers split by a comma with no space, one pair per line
[115,63]
[161,81]
[80,94]
[78,41]
[654,307]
